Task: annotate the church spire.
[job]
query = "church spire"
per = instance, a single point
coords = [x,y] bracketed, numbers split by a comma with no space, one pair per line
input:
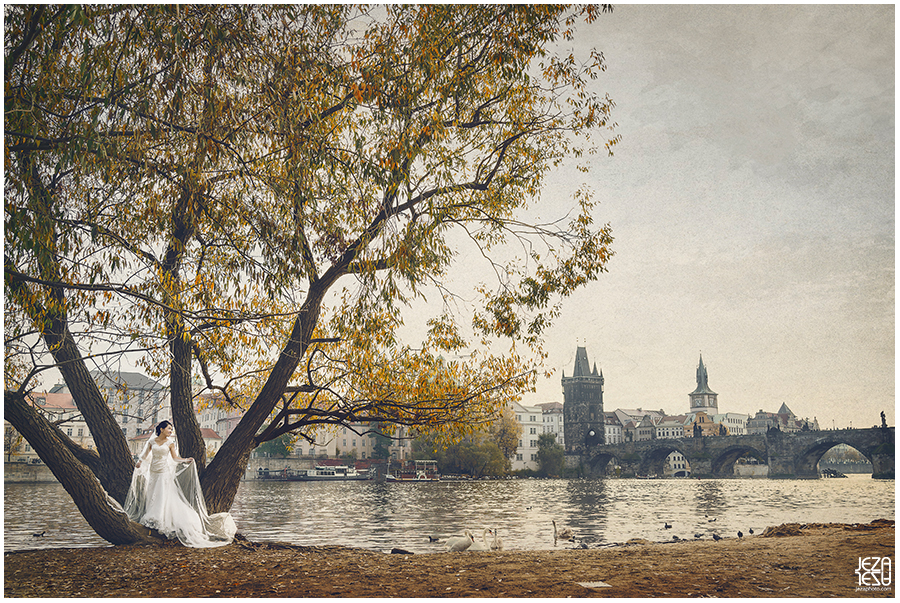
[702,380]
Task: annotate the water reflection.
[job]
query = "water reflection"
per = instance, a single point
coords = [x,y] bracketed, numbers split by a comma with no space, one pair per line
[710,499]
[380,516]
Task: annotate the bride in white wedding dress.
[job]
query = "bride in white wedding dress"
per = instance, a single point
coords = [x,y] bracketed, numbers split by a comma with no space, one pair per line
[165,495]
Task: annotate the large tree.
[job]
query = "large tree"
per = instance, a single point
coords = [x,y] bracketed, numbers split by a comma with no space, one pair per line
[254,195]
[551,457]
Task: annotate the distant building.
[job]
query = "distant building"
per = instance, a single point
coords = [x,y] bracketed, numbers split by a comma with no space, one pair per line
[553,419]
[613,428]
[531,418]
[640,431]
[637,414]
[734,422]
[137,402]
[213,413]
[702,425]
[783,420]
[57,407]
[583,406]
[671,427]
[677,466]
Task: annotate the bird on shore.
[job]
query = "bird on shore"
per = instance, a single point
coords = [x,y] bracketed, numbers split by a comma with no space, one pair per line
[716,537]
[676,538]
[39,535]
[460,543]
[483,545]
[751,530]
[497,545]
[667,526]
[740,534]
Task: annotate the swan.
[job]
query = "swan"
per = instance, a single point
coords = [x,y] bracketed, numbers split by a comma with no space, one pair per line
[460,543]
[497,545]
[483,545]
[564,533]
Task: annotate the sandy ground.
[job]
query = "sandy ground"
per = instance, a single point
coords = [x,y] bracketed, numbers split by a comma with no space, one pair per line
[817,560]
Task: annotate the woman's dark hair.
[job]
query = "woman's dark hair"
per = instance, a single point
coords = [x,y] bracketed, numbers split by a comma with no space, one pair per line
[161,426]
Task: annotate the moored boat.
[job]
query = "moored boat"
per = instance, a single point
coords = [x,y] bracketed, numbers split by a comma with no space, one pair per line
[333,473]
[319,473]
[414,471]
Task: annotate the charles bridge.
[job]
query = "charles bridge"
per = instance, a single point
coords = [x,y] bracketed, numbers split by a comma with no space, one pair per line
[788,455]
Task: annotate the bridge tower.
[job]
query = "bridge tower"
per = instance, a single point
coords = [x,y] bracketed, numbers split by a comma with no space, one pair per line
[703,398]
[583,421]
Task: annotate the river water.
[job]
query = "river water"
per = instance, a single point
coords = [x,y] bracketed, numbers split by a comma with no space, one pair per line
[379,516]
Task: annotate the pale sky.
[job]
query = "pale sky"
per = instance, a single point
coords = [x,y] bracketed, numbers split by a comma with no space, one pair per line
[752,204]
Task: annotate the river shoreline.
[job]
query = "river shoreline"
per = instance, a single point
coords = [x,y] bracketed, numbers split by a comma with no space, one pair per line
[791,560]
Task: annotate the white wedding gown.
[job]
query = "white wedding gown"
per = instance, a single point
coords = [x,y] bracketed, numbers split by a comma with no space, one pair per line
[167,497]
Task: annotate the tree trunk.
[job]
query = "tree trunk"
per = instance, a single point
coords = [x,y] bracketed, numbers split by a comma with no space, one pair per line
[112,448]
[187,429]
[113,451]
[221,479]
[86,491]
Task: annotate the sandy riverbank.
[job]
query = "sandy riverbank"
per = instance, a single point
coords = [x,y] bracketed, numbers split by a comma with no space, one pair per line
[817,560]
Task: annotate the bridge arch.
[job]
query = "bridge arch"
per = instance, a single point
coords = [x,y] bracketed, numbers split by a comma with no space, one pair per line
[598,463]
[808,460]
[723,463]
[653,460]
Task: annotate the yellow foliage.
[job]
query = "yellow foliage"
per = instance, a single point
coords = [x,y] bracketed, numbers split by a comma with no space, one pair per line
[214,176]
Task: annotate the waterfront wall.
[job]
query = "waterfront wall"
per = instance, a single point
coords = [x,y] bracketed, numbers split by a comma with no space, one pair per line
[751,470]
[24,472]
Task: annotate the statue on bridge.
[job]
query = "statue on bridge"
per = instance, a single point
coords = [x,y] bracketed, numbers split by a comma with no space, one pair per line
[883,421]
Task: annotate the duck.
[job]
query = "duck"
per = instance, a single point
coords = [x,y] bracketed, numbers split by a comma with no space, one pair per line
[39,535]
[716,537]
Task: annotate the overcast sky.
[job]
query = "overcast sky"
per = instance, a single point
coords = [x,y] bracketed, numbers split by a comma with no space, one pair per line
[752,204]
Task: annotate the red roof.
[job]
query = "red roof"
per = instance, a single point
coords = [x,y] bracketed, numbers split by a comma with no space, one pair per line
[56,401]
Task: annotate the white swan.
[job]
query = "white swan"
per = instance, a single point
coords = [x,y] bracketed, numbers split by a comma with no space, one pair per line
[565,533]
[497,545]
[483,545]
[460,543]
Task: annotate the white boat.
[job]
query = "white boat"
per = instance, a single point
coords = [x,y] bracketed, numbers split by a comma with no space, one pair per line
[414,471]
[320,473]
[333,473]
